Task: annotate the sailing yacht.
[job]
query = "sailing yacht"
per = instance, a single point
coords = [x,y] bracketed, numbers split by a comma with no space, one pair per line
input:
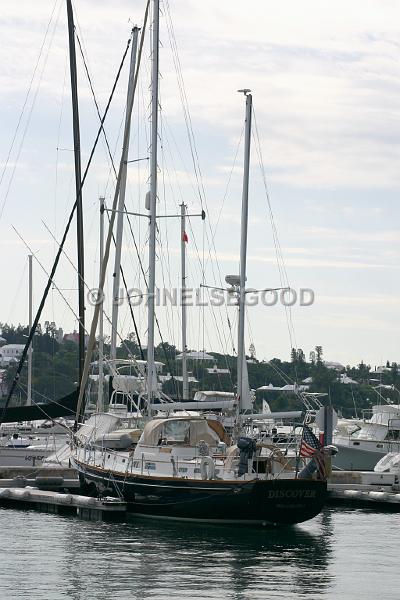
[183,468]
[187,467]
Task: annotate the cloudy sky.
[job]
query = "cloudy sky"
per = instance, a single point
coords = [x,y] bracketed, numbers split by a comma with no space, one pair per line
[325,78]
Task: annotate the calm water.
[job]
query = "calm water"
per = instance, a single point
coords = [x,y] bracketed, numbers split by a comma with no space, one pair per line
[340,554]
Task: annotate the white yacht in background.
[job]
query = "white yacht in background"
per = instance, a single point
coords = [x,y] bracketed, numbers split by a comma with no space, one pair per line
[29,443]
[370,440]
[19,450]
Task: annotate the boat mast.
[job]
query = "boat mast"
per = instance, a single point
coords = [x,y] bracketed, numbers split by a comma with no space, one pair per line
[121,200]
[29,398]
[98,307]
[78,188]
[185,383]
[243,249]
[100,403]
[151,373]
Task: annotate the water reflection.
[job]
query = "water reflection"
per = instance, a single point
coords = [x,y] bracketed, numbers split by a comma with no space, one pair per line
[148,559]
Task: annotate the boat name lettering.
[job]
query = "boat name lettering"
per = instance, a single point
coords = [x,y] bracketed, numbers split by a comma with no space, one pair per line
[291,494]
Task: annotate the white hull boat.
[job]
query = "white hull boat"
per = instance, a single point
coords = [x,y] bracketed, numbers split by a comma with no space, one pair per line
[371,440]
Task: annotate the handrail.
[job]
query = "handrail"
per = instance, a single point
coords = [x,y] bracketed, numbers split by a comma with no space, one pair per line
[175,467]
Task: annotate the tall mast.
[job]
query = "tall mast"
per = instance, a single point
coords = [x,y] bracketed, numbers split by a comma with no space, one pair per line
[243,248]
[185,383]
[29,399]
[121,200]
[78,188]
[100,392]
[151,373]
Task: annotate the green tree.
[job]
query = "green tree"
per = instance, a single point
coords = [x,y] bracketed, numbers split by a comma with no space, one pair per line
[394,370]
[318,354]
[363,372]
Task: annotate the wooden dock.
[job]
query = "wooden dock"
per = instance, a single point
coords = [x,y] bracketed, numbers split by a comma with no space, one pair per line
[85,507]
[57,478]
[364,488]
[52,490]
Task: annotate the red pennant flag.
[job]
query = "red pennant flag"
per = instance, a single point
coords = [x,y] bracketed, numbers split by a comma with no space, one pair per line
[185,237]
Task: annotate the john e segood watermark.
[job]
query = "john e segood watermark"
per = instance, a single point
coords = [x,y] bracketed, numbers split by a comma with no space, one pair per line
[208,297]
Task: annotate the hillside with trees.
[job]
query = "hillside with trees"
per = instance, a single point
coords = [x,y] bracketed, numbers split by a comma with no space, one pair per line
[349,389]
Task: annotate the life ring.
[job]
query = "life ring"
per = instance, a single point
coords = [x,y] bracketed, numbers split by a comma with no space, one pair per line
[207,468]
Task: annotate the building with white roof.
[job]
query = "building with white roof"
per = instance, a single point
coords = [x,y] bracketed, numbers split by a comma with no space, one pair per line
[193,355]
[217,371]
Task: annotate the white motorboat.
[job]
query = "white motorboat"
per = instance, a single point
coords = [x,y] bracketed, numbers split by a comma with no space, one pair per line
[370,440]
[27,451]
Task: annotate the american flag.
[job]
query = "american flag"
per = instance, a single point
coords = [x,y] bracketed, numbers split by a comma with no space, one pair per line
[309,442]
[311,447]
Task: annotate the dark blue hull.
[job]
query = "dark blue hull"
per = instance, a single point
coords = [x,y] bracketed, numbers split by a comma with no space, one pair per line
[277,501]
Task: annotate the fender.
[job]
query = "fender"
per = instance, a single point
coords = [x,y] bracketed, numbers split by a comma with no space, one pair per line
[207,468]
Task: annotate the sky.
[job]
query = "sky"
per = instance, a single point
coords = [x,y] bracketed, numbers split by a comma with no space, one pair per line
[325,79]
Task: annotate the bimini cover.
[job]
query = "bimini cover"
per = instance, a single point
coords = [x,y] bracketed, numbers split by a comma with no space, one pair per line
[128,384]
[97,426]
[181,430]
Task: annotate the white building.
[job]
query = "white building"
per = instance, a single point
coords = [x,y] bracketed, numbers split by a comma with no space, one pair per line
[10,353]
[193,355]
[217,371]
[285,388]
[347,380]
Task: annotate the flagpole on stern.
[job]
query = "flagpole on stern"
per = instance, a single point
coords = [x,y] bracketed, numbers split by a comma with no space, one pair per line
[298,450]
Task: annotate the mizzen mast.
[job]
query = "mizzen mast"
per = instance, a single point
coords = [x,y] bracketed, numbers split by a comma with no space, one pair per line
[78,188]
[243,250]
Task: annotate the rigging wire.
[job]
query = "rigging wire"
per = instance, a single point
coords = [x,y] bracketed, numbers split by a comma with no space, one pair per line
[123,342]
[85,284]
[19,150]
[64,237]
[194,156]
[201,192]
[45,270]
[284,279]
[200,254]
[113,164]
[128,219]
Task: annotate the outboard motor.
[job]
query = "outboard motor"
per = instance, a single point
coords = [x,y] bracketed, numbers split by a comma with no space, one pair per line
[318,465]
[247,448]
[308,471]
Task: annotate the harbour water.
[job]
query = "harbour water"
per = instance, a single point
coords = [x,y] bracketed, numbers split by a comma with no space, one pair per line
[346,554]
